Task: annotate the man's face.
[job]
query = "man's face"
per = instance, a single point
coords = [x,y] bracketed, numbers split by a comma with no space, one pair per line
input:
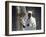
[29,15]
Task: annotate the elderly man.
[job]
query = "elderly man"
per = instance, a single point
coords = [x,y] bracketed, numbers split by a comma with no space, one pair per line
[30,22]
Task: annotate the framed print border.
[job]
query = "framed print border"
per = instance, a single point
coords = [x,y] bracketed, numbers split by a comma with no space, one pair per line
[7,17]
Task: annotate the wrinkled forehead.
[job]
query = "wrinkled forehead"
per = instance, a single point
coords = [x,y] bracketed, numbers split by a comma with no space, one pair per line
[30,12]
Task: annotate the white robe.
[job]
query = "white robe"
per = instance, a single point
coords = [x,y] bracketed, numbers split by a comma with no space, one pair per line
[32,23]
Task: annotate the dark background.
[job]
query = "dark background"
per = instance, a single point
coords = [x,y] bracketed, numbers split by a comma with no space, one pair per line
[36,14]
[14,19]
